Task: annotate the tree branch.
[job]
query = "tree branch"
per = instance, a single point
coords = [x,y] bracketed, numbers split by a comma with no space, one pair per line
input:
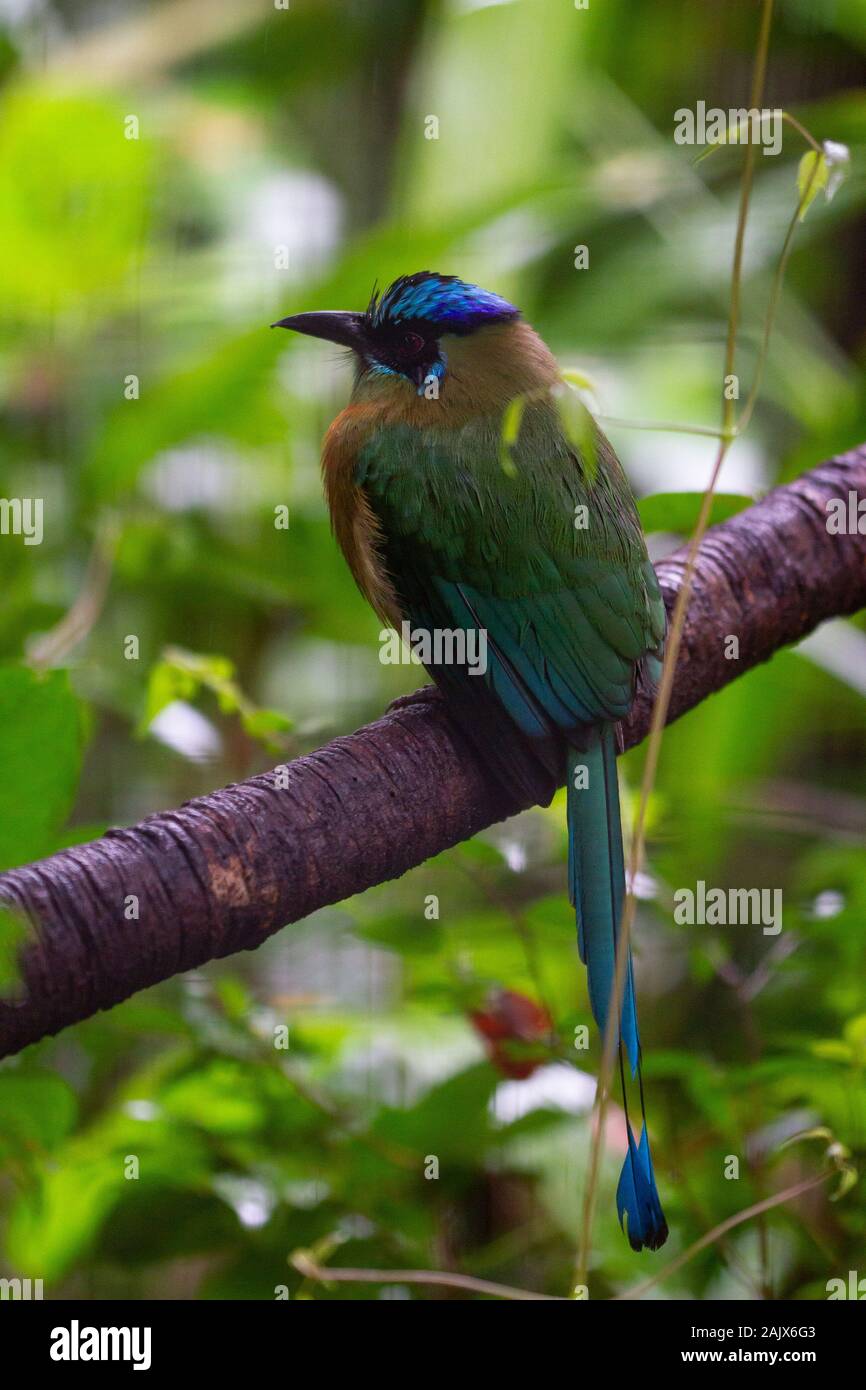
[222,873]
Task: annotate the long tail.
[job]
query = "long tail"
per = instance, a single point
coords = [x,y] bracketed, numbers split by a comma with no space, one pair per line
[596,883]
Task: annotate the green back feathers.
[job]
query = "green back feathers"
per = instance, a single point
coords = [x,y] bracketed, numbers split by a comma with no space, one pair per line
[552,564]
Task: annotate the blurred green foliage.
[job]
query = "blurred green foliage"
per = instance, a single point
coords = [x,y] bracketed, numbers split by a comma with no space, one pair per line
[278,160]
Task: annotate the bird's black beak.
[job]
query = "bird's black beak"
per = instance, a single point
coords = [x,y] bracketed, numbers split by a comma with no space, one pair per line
[334,325]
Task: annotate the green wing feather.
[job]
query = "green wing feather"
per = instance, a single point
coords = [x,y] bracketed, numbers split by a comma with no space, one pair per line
[571,611]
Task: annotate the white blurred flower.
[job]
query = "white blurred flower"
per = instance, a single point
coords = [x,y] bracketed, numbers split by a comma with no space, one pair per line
[185,729]
[555,1087]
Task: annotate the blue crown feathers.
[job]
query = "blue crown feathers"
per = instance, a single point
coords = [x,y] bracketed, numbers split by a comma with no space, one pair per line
[444,300]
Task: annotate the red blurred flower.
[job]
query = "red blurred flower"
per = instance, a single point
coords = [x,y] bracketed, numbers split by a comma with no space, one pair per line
[516,1032]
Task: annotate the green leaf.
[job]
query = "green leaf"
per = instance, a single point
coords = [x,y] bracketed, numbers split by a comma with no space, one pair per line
[578,379]
[451,1120]
[14,931]
[511,421]
[855,1031]
[38,1111]
[677,512]
[54,1224]
[213,1100]
[164,1223]
[41,745]
[812,175]
[261,723]
[73,201]
[404,933]
[819,1132]
[180,675]
[579,428]
[832,1050]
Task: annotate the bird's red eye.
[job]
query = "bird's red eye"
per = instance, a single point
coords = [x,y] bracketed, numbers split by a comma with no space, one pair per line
[411,343]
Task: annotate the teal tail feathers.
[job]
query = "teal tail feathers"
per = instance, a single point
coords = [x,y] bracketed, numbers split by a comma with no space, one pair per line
[596,882]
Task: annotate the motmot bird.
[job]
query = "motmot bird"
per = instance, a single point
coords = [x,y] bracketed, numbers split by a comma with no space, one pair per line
[439,534]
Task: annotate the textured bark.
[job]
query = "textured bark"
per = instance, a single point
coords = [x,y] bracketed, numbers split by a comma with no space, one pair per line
[226,870]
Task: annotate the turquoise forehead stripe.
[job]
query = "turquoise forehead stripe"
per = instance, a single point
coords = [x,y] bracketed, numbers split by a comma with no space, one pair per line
[440,302]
